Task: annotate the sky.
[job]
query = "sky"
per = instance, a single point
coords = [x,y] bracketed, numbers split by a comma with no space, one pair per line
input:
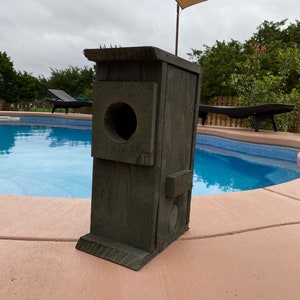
[39,35]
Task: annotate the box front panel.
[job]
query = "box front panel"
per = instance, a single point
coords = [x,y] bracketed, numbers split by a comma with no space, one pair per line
[124,122]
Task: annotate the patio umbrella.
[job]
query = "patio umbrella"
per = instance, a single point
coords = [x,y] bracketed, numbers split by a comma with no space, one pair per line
[186,3]
[183,4]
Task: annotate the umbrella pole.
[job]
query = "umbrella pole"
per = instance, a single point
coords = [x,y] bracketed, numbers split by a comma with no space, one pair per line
[177,31]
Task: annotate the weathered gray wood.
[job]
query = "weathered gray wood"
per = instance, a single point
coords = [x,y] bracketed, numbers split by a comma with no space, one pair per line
[178,183]
[107,144]
[142,173]
[139,54]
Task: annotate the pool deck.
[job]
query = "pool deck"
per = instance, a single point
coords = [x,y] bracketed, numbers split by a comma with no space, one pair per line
[242,245]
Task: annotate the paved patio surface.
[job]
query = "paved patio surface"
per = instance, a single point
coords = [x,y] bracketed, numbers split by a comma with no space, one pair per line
[243,245]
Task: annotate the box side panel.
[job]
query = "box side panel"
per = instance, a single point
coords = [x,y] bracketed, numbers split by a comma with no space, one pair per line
[178,151]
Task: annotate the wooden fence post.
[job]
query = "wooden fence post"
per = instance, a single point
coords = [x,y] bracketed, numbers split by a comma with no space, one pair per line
[297,125]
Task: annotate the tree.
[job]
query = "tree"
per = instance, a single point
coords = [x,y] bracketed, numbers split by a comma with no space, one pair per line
[73,80]
[7,78]
[275,37]
[223,59]
[264,69]
[28,87]
[23,87]
[16,86]
[218,63]
[256,86]
[271,70]
[292,35]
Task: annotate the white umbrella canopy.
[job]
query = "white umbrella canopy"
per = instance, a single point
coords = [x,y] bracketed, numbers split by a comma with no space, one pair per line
[183,4]
[186,3]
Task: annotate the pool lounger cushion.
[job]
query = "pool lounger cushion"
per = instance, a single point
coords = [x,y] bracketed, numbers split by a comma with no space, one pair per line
[258,113]
[65,101]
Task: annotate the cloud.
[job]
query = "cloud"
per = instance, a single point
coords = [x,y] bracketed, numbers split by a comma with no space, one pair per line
[39,34]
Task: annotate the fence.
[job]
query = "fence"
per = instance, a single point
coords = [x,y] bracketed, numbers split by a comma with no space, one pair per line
[298,123]
[38,106]
[212,118]
[220,119]
[223,120]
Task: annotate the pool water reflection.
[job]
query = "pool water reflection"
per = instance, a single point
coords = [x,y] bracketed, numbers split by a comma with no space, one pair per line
[215,173]
[45,161]
[56,162]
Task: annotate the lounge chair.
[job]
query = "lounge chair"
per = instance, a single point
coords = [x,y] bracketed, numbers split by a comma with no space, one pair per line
[64,100]
[258,113]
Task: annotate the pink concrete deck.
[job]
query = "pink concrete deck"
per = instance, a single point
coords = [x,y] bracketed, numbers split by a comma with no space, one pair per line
[243,245]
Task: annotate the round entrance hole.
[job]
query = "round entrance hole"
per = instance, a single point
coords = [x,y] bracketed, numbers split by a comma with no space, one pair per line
[120,121]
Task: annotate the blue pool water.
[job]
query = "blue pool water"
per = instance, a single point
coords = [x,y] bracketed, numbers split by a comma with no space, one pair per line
[218,169]
[56,162]
[45,161]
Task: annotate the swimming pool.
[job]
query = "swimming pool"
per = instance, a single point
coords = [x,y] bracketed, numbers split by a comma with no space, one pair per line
[219,169]
[55,161]
[49,160]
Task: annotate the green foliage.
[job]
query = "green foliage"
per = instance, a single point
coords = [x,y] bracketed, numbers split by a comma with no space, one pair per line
[20,87]
[73,80]
[255,85]
[222,60]
[218,63]
[7,77]
[265,69]
[27,87]
[16,86]
[287,122]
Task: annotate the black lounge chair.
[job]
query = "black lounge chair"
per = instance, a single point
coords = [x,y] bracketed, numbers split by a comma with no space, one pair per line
[65,101]
[258,113]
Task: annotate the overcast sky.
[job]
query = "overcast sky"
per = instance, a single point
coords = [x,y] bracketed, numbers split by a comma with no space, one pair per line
[39,34]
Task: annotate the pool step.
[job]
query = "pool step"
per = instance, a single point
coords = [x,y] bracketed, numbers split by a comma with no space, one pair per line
[8,118]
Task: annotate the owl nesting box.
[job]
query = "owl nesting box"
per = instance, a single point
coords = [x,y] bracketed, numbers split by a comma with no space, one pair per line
[145,108]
